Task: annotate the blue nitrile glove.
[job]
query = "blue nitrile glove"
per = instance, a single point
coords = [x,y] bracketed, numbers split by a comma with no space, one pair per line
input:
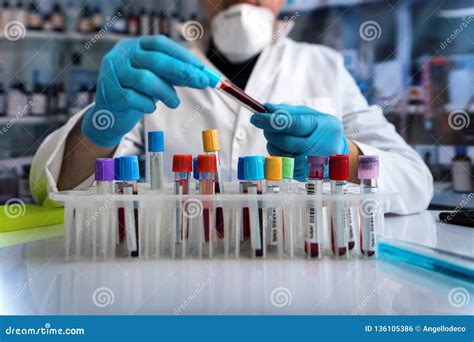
[299,131]
[133,76]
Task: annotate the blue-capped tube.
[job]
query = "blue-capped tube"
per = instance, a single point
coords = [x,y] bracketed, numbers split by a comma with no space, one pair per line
[156,147]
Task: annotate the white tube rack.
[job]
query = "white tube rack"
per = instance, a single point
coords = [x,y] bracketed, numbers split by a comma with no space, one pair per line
[91,223]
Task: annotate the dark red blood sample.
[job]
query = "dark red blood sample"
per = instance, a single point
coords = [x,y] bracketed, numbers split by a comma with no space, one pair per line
[205,214]
[219,215]
[313,247]
[121,224]
[351,244]
[136,253]
[246,220]
[370,253]
[241,96]
[259,252]
[220,223]
[342,250]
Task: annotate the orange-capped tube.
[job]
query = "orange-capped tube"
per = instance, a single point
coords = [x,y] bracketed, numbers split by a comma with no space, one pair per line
[273,168]
[210,140]
[273,176]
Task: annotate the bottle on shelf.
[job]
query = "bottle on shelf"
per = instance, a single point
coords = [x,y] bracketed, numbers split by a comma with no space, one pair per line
[461,170]
[97,18]
[132,23]
[92,91]
[82,98]
[17,102]
[60,95]
[35,18]
[20,14]
[39,100]
[57,18]
[174,27]
[145,21]
[6,15]
[84,22]
[155,23]
[164,24]
[120,24]
[47,27]
[70,14]
[3,103]
[23,184]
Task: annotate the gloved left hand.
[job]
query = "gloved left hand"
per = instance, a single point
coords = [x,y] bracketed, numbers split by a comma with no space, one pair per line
[299,131]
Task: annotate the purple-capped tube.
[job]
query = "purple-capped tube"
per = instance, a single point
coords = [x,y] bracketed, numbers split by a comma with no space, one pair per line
[104,175]
[102,226]
[369,210]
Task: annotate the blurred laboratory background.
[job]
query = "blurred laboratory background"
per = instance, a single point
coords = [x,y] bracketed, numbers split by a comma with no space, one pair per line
[414,58]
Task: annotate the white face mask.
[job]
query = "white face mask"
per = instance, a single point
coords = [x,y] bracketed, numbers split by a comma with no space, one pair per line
[242,31]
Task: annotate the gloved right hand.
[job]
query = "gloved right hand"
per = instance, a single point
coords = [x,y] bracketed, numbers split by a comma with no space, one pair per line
[133,76]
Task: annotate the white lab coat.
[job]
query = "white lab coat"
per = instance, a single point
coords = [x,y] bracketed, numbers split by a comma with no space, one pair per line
[286,72]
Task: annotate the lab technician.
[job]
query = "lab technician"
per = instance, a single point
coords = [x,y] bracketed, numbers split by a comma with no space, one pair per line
[153,83]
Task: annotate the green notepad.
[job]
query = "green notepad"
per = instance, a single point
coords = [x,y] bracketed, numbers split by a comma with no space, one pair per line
[25,216]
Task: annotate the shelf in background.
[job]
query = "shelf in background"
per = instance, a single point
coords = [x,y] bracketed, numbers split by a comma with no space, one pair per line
[33,120]
[15,163]
[70,36]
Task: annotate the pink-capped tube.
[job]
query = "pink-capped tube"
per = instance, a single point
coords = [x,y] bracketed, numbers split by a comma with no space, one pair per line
[368,173]
[314,186]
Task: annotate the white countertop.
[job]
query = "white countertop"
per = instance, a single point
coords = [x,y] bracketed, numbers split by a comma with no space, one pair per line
[35,279]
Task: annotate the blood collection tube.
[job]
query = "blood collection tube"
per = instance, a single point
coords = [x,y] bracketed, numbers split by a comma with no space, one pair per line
[228,88]
[273,177]
[196,175]
[120,211]
[211,146]
[245,228]
[287,171]
[207,168]
[368,174]
[156,146]
[182,168]
[129,175]
[104,176]
[314,187]
[254,174]
[339,174]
